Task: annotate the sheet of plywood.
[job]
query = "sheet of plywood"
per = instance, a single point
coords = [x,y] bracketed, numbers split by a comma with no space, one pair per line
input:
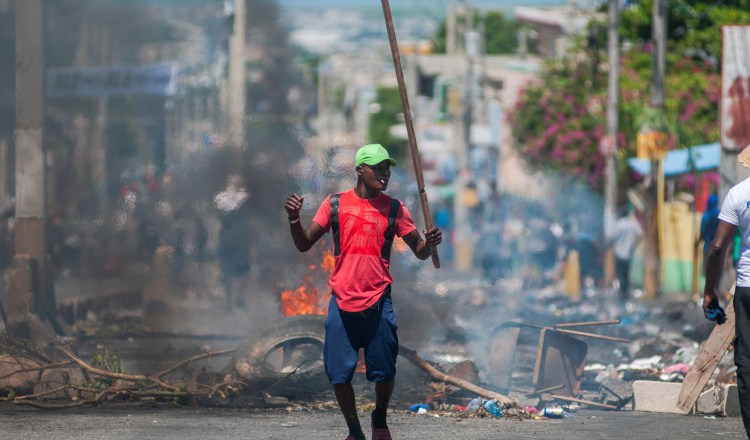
[711,353]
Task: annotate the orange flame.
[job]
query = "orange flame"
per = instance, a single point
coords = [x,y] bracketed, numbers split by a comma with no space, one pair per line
[328,263]
[306,299]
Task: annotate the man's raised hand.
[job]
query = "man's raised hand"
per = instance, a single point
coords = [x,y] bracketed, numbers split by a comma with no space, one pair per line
[293,205]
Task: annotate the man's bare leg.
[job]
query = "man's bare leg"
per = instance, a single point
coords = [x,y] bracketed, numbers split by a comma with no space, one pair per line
[383,392]
[345,397]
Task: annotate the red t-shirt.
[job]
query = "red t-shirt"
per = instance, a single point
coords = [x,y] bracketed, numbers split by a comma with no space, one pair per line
[360,275]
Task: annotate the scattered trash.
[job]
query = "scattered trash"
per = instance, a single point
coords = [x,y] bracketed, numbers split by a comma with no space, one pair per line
[555,413]
[493,408]
[474,404]
[419,407]
[677,368]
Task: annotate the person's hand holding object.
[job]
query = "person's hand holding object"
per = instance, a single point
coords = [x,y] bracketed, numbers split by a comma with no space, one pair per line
[714,312]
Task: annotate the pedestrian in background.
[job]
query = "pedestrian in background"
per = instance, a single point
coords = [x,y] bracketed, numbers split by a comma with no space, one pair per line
[734,214]
[234,238]
[626,234]
[363,222]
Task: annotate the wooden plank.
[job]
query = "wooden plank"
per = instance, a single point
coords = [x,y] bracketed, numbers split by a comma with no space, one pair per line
[711,353]
[586,323]
[436,374]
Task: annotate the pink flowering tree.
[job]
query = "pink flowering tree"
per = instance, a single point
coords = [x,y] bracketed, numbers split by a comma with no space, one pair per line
[559,120]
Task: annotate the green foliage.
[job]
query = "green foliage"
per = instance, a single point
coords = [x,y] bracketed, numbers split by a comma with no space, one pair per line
[501,33]
[694,27]
[389,101]
[105,360]
[692,90]
[439,44]
[558,122]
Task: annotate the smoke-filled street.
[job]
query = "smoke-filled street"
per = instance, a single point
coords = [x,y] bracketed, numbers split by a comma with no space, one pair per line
[273,219]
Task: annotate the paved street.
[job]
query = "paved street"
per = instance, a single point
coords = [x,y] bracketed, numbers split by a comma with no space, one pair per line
[134,422]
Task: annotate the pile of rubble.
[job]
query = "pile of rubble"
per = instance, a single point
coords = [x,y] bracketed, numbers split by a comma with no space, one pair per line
[555,356]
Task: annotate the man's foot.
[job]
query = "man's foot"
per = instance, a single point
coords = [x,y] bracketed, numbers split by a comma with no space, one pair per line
[381,434]
[378,418]
[355,431]
[379,425]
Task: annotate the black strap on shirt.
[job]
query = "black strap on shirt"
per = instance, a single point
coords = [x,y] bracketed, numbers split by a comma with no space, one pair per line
[385,251]
[335,224]
[390,230]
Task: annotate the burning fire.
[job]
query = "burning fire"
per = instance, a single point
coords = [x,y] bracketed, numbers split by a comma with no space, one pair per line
[306,299]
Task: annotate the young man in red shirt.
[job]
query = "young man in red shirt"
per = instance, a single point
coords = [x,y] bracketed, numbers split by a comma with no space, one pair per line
[363,221]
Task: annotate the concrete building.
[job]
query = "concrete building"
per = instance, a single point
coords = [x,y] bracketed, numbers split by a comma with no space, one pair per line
[555,27]
[437,82]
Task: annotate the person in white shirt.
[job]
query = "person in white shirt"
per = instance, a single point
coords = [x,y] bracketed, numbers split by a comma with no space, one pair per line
[626,235]
[735,213]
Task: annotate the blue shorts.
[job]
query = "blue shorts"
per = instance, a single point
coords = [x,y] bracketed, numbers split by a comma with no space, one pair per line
[374,330]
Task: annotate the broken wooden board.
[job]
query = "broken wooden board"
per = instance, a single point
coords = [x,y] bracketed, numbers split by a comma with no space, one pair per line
[711,353]
[436,374]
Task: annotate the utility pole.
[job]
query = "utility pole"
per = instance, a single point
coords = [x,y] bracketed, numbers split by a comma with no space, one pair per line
[236,88]
[613,102]
[654,233]
[30,289]
[463,239]
[609,142]
[450,29]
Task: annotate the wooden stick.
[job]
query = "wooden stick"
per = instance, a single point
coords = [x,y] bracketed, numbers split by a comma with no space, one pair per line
[113,375]
[436,374]
[708,358]
[534,392]
[585,402]
[409,126]
[581,324]
[48,406]
[592,335]
[193,359]
[547,390]
[41,367]
[34,396]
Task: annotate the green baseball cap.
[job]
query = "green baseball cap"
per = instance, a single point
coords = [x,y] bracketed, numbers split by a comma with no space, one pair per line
[372,154]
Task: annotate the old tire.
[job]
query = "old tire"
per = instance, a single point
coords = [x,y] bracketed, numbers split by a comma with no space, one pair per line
[285,358]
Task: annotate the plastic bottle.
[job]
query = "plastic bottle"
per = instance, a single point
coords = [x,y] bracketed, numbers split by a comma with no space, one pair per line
[474,404]
[493,408]
[419,406]
[555,413]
